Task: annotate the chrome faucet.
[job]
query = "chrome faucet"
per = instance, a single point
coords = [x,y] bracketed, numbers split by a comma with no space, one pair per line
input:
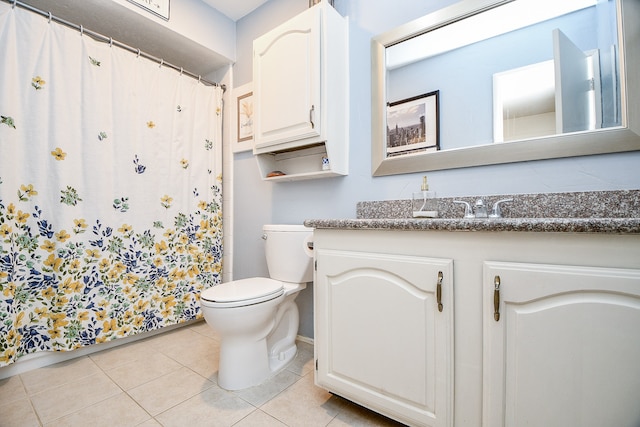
[479,210]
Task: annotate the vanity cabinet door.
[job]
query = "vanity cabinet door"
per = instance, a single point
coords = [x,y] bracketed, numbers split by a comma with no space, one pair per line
[561,345]
[287,81]
[382,339]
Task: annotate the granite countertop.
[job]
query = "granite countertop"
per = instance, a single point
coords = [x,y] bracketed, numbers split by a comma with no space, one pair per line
[580,212]
[572,225]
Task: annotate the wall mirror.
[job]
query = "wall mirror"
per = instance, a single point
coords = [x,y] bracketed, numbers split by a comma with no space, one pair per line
[515,80]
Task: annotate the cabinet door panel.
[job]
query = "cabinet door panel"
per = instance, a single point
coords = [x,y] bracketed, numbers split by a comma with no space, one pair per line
[565,350]
[287,81]
[382,341]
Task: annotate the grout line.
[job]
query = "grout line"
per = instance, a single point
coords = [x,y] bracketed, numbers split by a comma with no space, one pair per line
[123,390]
[79,409]
[33,408]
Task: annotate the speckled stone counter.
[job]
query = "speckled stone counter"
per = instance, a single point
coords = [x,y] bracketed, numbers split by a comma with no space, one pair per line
[585,212]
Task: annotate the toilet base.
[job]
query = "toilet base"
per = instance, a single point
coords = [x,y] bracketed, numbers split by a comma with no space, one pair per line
[246,361]
[244,365]
[279,361]
[256,341]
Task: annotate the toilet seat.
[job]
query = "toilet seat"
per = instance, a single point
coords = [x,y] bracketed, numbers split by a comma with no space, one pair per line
[239,293]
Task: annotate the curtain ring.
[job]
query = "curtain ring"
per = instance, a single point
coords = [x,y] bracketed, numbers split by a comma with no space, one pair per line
[199,78]
[14,4]
[110,41]
[138,54]
[50,17]
[161,63]
[81,30]
[181,70]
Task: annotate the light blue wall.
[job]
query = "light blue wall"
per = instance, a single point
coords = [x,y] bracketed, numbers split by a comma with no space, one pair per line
[257,202]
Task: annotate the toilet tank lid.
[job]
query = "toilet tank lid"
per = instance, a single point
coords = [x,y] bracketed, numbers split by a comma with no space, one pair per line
[242,290]
[286,227]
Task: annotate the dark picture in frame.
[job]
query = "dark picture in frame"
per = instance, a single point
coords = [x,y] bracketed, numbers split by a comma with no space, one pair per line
[413,125]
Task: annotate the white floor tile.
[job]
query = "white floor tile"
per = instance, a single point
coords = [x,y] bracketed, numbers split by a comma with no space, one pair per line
[120,410]
[260,394]
[204,329]
[11,389]
[259,419]
[304,404]
[138,372]
[353,415]
[117,356]
[65,399]
[41,379]
[212,407]
[18,413]
[304,361]
[151,423]
[169,390]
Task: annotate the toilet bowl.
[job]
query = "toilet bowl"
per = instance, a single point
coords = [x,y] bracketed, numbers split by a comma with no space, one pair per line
[257,318]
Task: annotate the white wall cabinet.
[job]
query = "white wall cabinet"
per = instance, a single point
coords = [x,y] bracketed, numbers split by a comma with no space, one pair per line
[563,352]
[385,332]
[300,88]
[565,347]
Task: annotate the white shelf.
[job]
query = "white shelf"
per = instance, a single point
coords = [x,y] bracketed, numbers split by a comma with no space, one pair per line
[301,163]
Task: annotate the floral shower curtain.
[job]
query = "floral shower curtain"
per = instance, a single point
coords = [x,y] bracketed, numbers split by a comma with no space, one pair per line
[110,190]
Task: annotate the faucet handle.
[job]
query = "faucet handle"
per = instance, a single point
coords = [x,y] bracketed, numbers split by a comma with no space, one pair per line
[468,211]
[496,212]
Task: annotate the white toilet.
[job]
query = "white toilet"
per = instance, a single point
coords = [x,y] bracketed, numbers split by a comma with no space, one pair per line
[257,318]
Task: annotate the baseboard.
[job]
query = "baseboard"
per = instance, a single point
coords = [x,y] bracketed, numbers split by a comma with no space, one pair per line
[304,339]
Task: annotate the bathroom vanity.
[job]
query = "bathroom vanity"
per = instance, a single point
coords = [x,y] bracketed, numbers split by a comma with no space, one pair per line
[501,322]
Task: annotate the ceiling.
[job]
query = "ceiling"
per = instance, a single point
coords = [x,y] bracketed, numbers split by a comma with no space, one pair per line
[235,9]
[113,20]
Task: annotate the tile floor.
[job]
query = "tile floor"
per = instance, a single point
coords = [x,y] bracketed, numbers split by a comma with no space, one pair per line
[170,380]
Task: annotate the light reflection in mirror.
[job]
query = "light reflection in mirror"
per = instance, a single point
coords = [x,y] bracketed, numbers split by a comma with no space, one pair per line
[490,23]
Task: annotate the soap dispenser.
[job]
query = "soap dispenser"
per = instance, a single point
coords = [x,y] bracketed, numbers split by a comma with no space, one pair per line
[424,202]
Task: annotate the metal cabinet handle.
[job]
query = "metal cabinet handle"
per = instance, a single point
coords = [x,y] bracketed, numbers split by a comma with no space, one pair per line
[311,111]
[496,298]
[439,291]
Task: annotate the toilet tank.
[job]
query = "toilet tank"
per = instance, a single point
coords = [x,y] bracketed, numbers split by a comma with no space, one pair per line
[289,257]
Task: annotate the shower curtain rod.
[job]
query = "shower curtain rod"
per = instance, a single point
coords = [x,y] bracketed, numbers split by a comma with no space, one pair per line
[112,42]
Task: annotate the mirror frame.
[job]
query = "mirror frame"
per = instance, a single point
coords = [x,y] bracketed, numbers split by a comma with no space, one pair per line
[606,140]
